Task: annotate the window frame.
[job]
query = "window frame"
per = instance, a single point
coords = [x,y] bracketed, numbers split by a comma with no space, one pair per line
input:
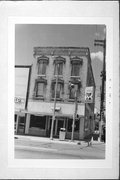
[75,62]
[41,81]
[61,92]
[75,81]
[59,61]
[75,89]
[58,71]
[38,122]
[42,63]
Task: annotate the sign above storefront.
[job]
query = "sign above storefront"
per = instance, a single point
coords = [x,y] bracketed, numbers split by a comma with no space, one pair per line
[89,94]
[56,109]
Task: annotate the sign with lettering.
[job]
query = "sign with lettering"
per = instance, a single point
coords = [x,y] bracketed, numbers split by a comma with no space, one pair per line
[21,84]
[89,94]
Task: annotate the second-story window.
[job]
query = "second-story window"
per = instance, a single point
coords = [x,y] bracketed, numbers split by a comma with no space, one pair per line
[40,89]
[42,65]
[58,69]
[73,91]
[74,88]
[59,89]
[75,66]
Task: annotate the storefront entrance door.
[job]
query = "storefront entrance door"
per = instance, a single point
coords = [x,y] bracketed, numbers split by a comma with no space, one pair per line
[58,123]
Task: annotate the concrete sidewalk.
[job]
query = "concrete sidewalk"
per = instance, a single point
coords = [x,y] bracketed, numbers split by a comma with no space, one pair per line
[66,147]
[55,140]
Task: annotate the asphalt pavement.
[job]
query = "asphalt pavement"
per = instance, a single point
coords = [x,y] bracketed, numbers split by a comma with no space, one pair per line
[31,147]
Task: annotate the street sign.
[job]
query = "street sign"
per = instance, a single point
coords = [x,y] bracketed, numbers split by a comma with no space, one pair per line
[89,94]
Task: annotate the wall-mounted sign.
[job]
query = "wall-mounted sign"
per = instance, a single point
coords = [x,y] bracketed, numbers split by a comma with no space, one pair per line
[19,100]
[89,94]
[56,108]
[21,85]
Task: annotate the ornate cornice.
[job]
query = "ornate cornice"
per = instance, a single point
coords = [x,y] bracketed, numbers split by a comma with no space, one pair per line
[61,51]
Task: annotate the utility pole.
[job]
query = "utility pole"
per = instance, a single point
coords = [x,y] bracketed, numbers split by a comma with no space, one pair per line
[53,118]
[103,75]
[74,116]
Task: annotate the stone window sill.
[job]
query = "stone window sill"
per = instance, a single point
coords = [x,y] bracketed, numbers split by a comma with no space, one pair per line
[38,98]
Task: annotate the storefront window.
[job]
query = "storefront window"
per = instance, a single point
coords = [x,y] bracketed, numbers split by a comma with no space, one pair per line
[38,121]
[76,127]
[69,128]
[15,120]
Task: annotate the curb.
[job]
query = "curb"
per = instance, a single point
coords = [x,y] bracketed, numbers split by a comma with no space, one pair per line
[41,139]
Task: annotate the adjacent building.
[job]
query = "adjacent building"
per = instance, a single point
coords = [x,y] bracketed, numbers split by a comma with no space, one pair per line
[70,69]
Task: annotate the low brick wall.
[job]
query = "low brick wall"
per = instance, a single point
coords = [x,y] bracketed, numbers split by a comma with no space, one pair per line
[68,135]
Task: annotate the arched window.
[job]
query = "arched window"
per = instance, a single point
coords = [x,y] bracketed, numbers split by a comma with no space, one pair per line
[58,69]
[74,90]
[60,89]
[40,88]
[42,65]
[75,66]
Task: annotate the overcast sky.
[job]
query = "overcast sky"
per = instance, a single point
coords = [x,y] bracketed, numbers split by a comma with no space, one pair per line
[28,36]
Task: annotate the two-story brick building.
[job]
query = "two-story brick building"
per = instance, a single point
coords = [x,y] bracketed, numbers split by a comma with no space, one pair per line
[70,65]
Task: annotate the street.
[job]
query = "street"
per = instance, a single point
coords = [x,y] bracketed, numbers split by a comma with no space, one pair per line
[34,154]
[44,148]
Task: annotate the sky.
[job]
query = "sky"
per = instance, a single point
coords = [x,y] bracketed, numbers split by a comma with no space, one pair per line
[28,36]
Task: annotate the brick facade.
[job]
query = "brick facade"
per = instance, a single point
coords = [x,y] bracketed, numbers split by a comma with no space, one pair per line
[40,106]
